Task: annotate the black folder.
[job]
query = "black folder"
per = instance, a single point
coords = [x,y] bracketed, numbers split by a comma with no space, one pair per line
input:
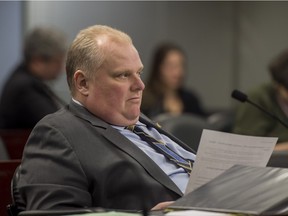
[241,189]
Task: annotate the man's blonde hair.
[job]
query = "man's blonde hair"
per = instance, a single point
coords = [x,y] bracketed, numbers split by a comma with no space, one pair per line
[87,52]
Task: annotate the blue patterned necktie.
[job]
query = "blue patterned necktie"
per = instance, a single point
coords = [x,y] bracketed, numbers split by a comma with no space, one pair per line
[161,147]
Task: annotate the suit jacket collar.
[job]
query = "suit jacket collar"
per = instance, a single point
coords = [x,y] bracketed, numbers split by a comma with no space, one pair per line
[126,145]
[83,113]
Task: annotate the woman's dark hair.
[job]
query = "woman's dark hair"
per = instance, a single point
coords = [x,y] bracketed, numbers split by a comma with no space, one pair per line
[160,54]
[279,69]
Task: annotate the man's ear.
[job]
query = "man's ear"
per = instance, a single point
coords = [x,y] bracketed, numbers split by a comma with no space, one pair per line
[81,82]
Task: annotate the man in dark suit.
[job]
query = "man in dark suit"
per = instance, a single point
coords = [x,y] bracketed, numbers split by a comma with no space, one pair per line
[26,98]
[84,155]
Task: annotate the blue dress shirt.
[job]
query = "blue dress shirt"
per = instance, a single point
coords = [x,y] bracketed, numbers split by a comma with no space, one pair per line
[177,174]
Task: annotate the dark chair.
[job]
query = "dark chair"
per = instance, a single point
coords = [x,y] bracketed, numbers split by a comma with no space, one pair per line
[278,159]
[186,127]
[18,203]
[12,210]
[222,120]
[7,169]
[3,151]
[14,141]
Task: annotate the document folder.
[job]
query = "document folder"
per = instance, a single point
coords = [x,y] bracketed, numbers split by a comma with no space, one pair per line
[241,189]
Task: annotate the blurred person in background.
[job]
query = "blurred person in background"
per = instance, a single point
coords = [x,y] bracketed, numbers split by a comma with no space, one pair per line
[164,92]
[26,98]
[273,97]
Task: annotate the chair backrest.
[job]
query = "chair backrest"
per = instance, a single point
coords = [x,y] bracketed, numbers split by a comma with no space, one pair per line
[187,127]
[3,151]
[14,141]
[222,120]
[7,169]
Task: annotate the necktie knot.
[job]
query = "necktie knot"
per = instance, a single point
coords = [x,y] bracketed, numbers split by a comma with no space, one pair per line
[162,148]
[130,127]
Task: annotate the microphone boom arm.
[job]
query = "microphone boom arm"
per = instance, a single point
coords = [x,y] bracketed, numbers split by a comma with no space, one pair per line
[267,113]
[240,96]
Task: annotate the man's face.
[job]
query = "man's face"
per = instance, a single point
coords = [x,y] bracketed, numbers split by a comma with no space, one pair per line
[115,91]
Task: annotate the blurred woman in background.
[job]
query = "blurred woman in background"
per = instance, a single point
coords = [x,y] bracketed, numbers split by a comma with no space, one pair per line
[164,92]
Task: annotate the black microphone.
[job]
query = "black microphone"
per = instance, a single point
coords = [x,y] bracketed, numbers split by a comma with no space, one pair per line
[240,96]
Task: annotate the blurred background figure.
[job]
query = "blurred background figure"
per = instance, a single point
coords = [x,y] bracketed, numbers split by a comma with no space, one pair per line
[273,97]
[26,98]
[164,91]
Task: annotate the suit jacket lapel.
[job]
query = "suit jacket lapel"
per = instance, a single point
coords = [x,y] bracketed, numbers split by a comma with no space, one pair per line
[127,146]
[153,169]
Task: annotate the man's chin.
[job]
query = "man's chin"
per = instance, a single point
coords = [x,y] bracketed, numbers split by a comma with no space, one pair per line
[134,118]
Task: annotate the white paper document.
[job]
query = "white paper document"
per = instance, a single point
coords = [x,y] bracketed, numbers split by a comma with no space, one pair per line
[218,151]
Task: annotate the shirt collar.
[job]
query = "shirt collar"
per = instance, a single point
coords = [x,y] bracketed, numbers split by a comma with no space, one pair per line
[77,102]
[120,128]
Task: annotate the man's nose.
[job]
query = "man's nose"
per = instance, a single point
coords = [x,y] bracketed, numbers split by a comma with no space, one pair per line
[138,84]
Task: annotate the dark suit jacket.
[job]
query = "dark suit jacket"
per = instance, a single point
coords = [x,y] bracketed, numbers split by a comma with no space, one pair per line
[74,160]
[25,100]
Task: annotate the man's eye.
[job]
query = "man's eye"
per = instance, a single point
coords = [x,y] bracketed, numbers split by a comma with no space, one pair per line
[123,75]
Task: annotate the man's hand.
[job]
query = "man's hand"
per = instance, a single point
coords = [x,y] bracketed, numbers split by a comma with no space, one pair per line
[281,146]
[162,205]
